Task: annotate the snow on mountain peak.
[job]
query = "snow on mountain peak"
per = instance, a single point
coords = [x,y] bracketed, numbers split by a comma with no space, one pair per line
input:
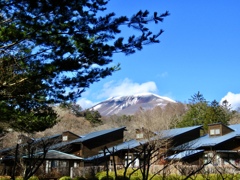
[140,95]
[130,104]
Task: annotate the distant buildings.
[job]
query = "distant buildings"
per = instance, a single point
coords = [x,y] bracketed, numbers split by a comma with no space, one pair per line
[71,154]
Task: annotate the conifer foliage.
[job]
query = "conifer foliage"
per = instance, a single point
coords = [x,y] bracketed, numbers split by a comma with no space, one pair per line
[51,51]
[202,112]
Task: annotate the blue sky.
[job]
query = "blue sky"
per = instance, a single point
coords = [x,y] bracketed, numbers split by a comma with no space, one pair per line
[199,51]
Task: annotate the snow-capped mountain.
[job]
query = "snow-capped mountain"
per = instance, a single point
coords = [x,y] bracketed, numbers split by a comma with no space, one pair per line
[128,105]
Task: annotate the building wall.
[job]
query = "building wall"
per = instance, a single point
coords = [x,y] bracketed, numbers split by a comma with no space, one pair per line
[93,146]
[221,127]
[233,144]
[185,137]
[86,151]
[69,136]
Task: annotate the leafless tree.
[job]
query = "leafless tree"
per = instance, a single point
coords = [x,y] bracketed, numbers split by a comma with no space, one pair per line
[158,118]
[151,150]
[235,119]
[29,154]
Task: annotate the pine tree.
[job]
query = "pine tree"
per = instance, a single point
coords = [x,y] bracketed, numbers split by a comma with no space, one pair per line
[51,51]
[201,112]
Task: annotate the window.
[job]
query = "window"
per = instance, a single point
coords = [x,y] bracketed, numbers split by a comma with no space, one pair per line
[207,157]
[76,164]
[140,135]
[65,138]
[217,131]
[214,131]
[128,160]
[63,164]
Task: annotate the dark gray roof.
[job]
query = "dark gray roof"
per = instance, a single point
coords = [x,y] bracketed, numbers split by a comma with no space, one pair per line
[170,133]
[126,145]
[97,133]
[184,155]
[98,156]
[52,154]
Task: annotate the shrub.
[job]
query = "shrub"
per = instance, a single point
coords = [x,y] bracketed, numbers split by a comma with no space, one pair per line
[5,177]
[79,178]
[34,178]
[103,174]
[65,178]
[19,178]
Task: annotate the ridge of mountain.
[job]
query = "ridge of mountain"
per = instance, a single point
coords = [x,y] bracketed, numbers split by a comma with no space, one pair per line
[128,105]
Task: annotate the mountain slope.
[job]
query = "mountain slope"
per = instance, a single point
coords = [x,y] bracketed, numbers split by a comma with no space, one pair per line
[128,105]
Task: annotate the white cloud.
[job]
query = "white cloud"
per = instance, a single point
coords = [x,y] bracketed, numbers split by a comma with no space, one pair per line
[85,103]
[126,87]
[233,99]
[112,89]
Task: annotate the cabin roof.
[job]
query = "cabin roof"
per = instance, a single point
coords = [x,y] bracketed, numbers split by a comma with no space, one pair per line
[57,155]
[170,133]
[210,141]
